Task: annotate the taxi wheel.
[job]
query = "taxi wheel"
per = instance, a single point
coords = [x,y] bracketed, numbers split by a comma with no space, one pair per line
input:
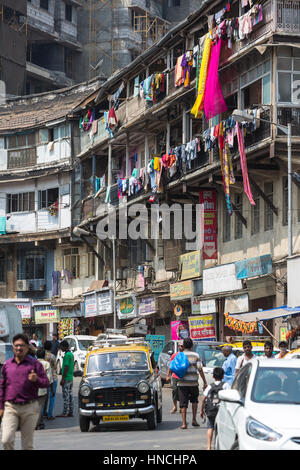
[84,423]
[152,419]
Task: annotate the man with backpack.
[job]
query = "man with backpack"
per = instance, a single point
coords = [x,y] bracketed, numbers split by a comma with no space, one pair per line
[210,402]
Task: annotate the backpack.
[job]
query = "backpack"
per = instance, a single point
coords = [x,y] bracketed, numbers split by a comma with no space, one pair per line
[179,365]
[212,401]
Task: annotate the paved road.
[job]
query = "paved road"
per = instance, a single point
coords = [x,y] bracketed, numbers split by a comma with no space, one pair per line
[64,433]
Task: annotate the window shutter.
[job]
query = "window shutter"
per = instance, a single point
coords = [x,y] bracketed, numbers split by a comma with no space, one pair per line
[58,262]
[84,266]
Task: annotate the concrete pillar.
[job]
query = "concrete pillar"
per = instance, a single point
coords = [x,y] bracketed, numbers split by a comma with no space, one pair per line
[184,127]
[168,137]
[109,174]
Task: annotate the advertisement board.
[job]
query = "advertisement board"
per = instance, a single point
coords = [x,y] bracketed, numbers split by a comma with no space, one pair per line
[208,198]
[203,328]
[46,314]
[179,330]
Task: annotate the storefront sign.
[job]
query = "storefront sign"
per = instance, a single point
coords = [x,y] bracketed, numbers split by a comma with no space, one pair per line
[46,314]
[181,290]
[190,265]
[105,302]
[25,310]
[208,198]
[70,313]
[147,306]
[126,307]
[179,330]
[90,305]
[4,327]
[157,343]
[237,303]
[203,328]
[202,307]
[220,279]
[253,267]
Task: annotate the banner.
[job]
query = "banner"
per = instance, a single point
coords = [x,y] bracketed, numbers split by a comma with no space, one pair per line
[208,198]
[240,325]
[203,328]
[179,330]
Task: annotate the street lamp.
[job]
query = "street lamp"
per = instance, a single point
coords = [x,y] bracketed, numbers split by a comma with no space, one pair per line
[241,116]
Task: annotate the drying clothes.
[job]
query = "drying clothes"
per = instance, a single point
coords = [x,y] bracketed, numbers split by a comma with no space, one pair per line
[94,127]
[2,225]
[67,276]
[214,102]
[179,72]
[199,103]
[148,92]
[56,283]
[186,64]
[247,188]
[112,120]
[156,163]
[115,98]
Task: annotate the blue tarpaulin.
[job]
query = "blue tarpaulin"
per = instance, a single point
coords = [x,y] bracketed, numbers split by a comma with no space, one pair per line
[269,314]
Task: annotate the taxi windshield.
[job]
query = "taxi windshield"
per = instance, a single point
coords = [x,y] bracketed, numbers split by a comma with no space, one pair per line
[117,361]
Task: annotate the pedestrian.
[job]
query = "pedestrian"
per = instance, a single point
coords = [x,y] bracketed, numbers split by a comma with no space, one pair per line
[67,380]
[54,345]
[22,376]
[174,379]
[52,392]
[268,349]
[229,364]
[43,393]
[35,341]
[283,346]
[210,402]
[244,358]
[188,387]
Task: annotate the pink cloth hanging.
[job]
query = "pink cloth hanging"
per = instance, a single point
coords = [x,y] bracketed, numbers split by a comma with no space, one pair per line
[247,188]
[214,102]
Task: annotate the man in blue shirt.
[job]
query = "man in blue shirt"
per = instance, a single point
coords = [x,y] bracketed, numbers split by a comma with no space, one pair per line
[229,364]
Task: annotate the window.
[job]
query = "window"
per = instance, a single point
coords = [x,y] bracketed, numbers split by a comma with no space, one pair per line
[47,197]
[68,12]
[285,203]
[256,83]
[241,382]
[226,225]
[288,75]
[268,189]
[20,140]
[21,202]
[71,261]
[61,132]
[44,4]
[35,266]
[91,264]
[255,214]
[238,232]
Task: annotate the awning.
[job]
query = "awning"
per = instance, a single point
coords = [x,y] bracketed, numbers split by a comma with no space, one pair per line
[270,314]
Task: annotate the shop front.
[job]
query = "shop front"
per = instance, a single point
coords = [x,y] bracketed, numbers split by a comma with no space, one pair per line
[98,310]
[70,316]
[126,308]
[46,318]
[25,308]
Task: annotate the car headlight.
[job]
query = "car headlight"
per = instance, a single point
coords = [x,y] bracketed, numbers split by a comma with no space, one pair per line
[143,387]
[259,431]
[85,391]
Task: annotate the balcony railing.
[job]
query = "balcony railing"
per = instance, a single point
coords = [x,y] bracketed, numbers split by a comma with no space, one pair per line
[288,16]
[22,158]
[286,115]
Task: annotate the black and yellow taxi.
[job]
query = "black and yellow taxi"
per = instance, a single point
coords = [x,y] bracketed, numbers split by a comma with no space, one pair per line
[120,382]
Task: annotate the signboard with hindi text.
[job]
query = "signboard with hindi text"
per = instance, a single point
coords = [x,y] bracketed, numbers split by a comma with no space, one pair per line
[208,199]
[202,328]
[46,314]
[190,265]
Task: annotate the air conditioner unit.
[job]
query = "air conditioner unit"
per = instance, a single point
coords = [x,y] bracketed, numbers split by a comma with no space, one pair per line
[22,285]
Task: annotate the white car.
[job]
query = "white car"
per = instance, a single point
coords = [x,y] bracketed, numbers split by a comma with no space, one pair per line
[262,409]
[79,345]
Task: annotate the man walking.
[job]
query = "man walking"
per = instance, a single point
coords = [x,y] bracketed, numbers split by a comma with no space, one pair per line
[22,376]
[52,392]
[246,357]
[188,388]
[228,365]
[67,380]
[174,379]
[54,345]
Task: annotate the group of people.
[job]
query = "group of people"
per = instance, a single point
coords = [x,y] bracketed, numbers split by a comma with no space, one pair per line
[186,389]
[28,388]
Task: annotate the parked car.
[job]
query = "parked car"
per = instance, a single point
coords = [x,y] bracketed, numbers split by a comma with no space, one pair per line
[79,345]
[293,354]
[262,409]
[210,353]
[120,382]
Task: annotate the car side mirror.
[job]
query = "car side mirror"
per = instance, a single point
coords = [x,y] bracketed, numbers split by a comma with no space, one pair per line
[170,353]
[231,396]
[72,349]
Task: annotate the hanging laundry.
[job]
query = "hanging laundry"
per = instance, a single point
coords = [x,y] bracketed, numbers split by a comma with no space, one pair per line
[214,101]
[56,283]
[115,98]
[179,72]
[186,64]
[199,103]
[112,120]
[247,188]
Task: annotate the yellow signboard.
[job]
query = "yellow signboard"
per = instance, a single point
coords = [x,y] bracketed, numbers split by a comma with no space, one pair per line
[181,290]
[46,315]
[190,265]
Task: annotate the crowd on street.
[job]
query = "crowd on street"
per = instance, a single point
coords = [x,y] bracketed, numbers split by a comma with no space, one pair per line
[29,382]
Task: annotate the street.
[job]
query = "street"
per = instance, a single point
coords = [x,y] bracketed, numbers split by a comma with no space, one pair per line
[64,433]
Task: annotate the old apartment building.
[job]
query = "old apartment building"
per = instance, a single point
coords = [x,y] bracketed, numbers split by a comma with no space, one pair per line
[161,130]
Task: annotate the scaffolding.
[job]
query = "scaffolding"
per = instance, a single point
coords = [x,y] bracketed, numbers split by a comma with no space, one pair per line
[150,28]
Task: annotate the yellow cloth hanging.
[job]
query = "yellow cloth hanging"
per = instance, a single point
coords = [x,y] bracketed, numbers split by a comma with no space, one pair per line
[156,163]
[199,103]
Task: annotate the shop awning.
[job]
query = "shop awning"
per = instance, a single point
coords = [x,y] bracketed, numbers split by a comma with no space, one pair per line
[270,314]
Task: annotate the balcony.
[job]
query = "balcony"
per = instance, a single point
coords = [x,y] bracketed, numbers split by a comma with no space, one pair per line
[22,158]
[286,115]
[87,140]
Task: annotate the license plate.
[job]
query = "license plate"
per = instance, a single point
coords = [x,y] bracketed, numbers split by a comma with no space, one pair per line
[115,418]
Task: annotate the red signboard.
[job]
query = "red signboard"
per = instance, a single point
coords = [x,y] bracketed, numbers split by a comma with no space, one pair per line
[208,197]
